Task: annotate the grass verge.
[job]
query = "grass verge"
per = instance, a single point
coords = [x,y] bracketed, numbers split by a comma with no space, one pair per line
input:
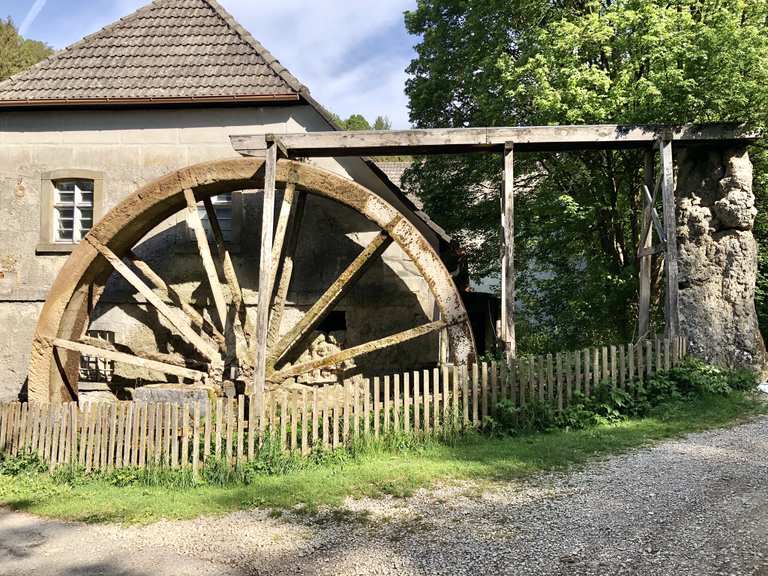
[375,471]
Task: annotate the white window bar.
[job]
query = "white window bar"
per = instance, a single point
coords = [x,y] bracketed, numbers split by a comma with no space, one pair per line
[73,210]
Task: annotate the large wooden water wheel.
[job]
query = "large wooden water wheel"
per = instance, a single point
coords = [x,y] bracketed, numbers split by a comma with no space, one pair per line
[219,341]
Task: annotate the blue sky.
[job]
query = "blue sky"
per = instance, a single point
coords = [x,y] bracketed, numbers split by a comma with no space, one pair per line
[351,53]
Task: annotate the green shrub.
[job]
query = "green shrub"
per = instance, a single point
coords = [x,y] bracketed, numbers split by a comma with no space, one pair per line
[22,463]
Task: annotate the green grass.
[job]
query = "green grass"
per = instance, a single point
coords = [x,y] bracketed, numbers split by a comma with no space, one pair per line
[375,471]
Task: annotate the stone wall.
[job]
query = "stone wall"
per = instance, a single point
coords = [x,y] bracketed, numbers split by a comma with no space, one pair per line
[718,256]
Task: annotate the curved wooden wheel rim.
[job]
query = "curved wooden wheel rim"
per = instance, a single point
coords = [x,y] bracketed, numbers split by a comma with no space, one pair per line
[66,311]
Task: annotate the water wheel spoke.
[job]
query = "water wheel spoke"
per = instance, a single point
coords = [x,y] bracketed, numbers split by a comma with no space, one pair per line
[106,354]
[238,307]
[194,222]
[169,293]
[292,213]
[180,322]
[146,354]
[330,297]
[359,350]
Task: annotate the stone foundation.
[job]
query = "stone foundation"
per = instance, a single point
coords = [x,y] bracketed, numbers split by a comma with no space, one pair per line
[718,256]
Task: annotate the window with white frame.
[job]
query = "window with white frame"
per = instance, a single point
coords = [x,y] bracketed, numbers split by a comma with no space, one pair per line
[73,205]
[224,208]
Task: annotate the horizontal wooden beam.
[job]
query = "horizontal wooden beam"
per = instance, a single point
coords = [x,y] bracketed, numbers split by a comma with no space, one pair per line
[454,140]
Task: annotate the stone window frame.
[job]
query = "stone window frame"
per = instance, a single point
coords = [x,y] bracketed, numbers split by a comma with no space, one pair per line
[47,243]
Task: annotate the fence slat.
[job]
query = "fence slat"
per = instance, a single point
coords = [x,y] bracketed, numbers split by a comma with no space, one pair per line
[436,399]
[315,415]
[475,394]
[446,378]
[397,405]
[622,367]
[648,358]
[376,404]
[143,420]
[184,455]
[218,432]
[293,403]
[406,402]
[613,360]
[305,421]
[335,421]
[568,378]
[425,397]
[241,428]
[174,435]
[484,391]
[229,424]
[196,439]
[416,402]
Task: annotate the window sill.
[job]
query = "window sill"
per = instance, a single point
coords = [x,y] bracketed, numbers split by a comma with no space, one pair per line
[44,248]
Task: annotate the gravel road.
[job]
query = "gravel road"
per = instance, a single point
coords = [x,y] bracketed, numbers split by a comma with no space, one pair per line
[694,506]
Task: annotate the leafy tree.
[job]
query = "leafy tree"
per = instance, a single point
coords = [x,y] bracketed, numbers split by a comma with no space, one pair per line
[17,53]
[382,123]
[494,62]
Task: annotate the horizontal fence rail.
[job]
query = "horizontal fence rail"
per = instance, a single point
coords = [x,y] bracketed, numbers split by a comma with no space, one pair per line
[108,435]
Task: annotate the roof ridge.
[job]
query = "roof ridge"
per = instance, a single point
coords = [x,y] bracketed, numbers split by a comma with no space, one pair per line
[268,57]
[58,53]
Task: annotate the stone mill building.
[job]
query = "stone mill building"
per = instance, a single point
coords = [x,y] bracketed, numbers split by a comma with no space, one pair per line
[160,90]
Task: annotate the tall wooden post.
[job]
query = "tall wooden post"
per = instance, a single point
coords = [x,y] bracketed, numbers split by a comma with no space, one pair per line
[508,256]
[265,273]
[671,308]
[644,301]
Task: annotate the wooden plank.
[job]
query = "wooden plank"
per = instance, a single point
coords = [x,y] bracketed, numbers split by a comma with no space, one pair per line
[484,390]
[209,408]
[475,394]
[356,409]
[136,432]
[220,421]
[463,140]
[446,378]
[315,415]
[184,456]
[105,429]
[196,439]
[305,421]
[64,437]
[174,435]
[659,355]
[241,428]
[120,437]
[559,381]
[648,358]
[259,343]
[70,456]
[465,395]
[622,367]
[376,406]
[455,381]
[93,423]
[494,385]
[416,402]
[326,402]
[130,359]
[335,292]
[359,350]
[436,399]
[508,255]
[667,364]
[406,402]
[568,359]
[587,372]
[52,456]
[542,377]
[23,427]
[613,366]
[251,427]
[194,222]
[387,403]
[335,421]
[630,363]
[425,401]
[398,405]
[141,453]
[346,415]
[550,379]
[169,440]
[293,401]
[4,411]
[646,242]
[229,425]
[181,323]
[152,443]
[671,304]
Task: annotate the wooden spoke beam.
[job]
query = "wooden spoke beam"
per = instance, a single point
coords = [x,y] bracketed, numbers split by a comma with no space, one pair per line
[508,256]
[330,297]
[280,230]
[181,323]
[458,140]
[147,355]
[194,222]
[672,329]
[169,293]
[285,268]
[265,272]
[355,351]
[130,359]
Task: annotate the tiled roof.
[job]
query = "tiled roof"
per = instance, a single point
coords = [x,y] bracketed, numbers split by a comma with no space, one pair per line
[169,49]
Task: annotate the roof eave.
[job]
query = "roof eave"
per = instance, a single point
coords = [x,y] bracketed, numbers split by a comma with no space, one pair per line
[88,102]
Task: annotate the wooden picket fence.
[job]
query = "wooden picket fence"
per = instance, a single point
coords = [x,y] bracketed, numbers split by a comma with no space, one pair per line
[103,435]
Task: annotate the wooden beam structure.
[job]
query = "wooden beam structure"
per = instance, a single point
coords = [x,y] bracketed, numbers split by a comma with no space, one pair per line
[671,304]
[265,273]
[508,256]
[646,260]
[491,139]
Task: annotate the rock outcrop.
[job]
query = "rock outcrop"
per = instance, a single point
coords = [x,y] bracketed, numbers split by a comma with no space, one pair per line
[718,256]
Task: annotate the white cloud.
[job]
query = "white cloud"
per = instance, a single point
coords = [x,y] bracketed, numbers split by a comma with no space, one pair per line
[351,54]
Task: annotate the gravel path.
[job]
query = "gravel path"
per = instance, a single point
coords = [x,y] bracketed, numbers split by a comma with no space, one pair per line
[695,506]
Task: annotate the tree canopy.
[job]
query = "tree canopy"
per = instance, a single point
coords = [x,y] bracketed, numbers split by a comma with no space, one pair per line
[495,62]
[359,122]
[17,53]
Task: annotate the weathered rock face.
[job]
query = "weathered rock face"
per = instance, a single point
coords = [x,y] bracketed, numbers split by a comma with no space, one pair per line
[718,256]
